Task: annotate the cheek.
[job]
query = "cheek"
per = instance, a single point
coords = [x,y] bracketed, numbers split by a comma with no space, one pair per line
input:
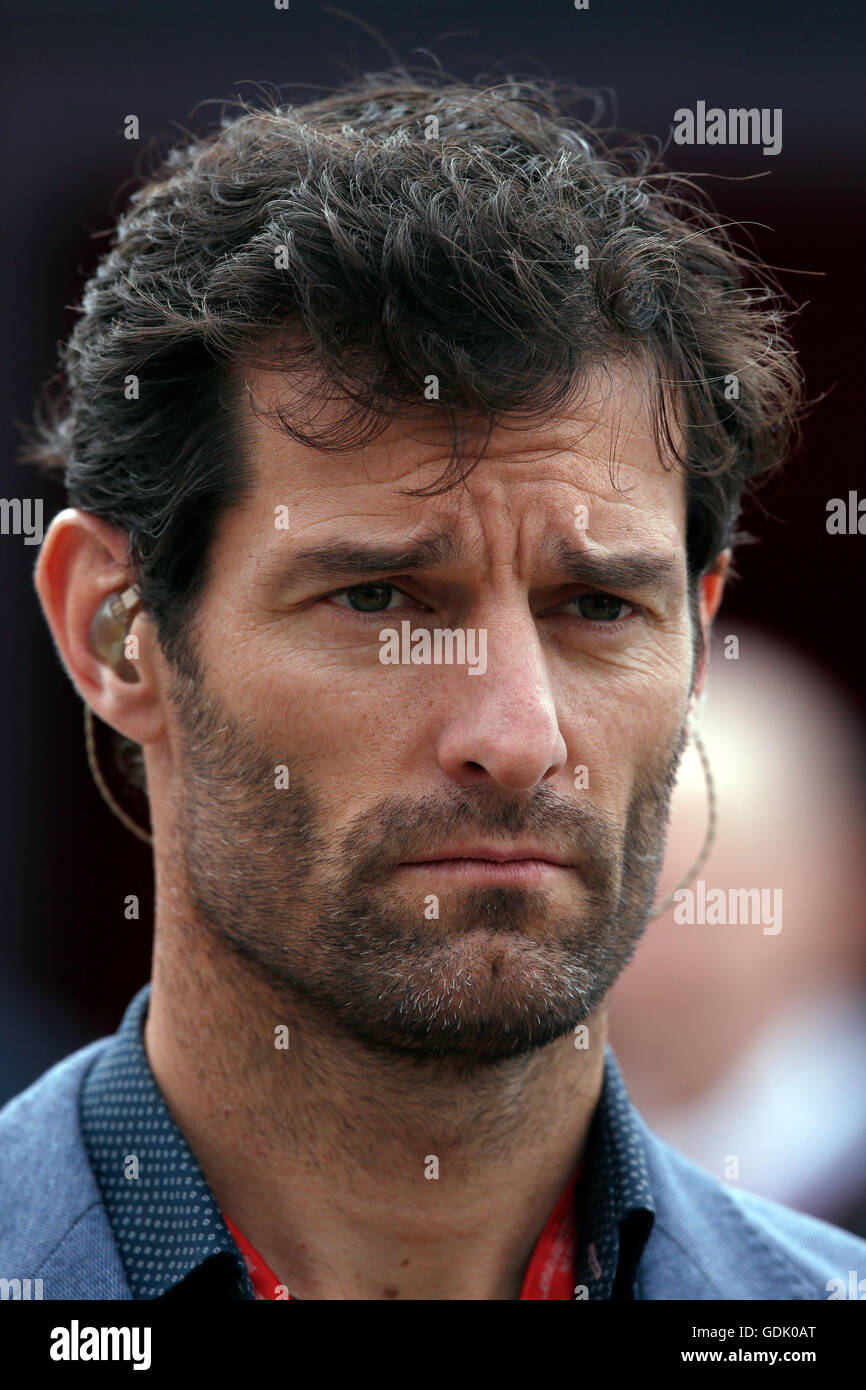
[618,726]
[359,729]
[344,729]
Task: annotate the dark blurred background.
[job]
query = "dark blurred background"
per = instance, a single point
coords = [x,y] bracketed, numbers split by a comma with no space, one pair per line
[70,959]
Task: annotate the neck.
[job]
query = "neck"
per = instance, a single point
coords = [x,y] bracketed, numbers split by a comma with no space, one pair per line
[320,1151]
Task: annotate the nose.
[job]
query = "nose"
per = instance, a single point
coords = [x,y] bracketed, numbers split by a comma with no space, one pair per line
[503,725]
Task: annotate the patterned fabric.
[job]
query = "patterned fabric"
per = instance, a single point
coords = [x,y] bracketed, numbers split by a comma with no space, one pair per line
[172,1238]
[162,1212]
[616,1205]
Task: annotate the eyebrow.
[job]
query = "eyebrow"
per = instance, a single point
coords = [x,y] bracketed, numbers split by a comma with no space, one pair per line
[335,559]
[346,558]
[642,569]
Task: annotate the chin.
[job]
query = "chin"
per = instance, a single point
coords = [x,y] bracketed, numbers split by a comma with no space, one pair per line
[480,1006]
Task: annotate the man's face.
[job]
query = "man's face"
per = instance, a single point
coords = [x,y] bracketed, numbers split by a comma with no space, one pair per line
[566,743]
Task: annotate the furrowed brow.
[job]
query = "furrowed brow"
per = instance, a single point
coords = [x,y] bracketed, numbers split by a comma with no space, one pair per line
[641,569]
[345,558]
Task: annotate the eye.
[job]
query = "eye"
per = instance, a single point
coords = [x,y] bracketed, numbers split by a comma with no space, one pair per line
[602,608]
[377,597]
[367,598]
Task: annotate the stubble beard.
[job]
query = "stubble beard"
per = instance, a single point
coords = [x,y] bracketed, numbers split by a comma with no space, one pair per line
[318,917]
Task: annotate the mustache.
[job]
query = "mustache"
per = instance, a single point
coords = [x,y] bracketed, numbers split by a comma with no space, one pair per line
[401,828]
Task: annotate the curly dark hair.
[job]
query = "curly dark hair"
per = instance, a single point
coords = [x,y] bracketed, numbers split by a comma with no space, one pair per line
[395,229]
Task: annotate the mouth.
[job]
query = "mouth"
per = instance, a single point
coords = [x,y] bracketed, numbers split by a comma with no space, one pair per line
[491,863]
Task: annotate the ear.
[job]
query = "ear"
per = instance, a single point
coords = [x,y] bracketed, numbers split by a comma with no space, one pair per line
[81,562]
[712,587]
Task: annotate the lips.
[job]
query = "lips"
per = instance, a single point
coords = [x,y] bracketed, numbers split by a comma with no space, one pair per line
[494,854]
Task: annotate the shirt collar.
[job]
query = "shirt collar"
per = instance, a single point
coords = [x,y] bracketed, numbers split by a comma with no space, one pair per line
[167,1224]
[163,1215]
[616,1205]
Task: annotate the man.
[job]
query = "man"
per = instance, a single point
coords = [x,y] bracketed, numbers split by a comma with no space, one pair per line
[405,436]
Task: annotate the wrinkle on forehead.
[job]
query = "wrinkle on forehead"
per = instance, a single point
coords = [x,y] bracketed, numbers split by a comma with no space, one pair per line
[611,425]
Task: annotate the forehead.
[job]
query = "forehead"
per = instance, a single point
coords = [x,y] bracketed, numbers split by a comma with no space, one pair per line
[600,457]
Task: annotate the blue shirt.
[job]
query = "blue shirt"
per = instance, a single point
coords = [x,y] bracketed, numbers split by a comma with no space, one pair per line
[173,1241]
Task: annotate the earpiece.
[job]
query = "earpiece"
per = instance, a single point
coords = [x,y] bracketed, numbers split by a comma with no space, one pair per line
[108,633]
[110,628]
